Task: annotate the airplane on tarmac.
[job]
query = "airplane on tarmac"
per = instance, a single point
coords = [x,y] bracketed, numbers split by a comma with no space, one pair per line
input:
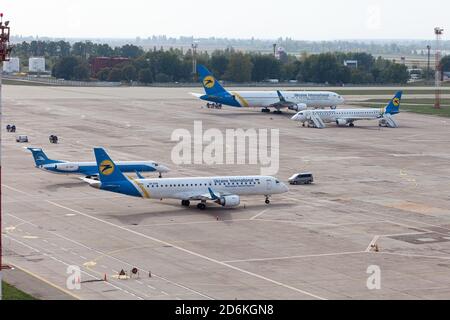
[90,168]
[225,190]
[342,117]
[292,100]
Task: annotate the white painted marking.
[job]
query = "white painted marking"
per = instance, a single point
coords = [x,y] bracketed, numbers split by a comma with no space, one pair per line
[296,257]
[30,237]
[190,252]
[66,264]
[259,214]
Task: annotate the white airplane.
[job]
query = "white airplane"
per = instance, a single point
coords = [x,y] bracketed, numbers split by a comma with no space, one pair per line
[225,191]
[292,100]
[318,118]
[90,168]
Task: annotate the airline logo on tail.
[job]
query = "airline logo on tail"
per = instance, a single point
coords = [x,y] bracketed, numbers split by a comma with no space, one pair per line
[209,82]
[106,167]
[396,102]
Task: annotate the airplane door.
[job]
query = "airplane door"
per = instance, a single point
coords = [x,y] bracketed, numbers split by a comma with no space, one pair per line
[269,184]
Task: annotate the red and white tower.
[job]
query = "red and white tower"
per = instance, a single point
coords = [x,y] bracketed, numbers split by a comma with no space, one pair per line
[5,50]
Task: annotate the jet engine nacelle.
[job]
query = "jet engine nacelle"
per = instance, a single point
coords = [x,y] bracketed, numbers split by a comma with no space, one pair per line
[341,122]
[68,167]
[229,201]
[298,107]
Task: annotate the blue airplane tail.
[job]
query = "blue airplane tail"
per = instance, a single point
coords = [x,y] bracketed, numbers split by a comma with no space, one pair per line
[111,178]
[394,105]
[40,158]
[210,84]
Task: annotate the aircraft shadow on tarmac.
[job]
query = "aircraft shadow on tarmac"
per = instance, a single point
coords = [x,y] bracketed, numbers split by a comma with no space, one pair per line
[67,185]
[213,211]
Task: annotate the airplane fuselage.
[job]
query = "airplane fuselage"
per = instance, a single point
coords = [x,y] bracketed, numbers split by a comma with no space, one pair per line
[192,188]
[264,99]
[90,168]
[328,116]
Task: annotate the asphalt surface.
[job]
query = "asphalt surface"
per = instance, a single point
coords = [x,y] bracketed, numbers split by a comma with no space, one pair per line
[388,187]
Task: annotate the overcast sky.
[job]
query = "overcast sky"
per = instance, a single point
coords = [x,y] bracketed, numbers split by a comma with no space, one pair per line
[265,19]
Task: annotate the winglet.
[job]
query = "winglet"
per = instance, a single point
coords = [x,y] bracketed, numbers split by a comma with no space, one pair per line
[280,96]
[140,176]
[213,195]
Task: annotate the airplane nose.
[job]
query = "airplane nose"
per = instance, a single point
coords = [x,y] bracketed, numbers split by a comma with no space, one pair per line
[284,188]
[295,117]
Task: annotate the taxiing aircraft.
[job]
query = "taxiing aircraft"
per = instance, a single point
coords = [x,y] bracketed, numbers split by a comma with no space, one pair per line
[90,168]
[342,117]
[225,191]
[292,100]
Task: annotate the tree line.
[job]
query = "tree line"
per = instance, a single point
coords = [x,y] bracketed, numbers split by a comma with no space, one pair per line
[72,61]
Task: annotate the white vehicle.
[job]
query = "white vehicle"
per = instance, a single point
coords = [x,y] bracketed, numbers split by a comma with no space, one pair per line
[225,191]
[342,117]
[292,100]
[22,139]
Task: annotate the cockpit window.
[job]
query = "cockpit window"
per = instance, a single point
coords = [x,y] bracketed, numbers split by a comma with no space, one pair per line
[276,181]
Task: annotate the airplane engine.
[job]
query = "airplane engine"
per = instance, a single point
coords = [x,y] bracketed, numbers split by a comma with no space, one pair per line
[298,107]
[341,122]
[229,201]
[68,167]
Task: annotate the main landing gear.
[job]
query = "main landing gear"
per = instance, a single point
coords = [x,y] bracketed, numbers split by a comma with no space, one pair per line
[278,112]
[267,200]
[185,203]
[265,110]
[201,206]
[351,124]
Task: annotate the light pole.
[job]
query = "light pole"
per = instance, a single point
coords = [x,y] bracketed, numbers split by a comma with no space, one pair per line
[194,61]
[428,65]
[5,50]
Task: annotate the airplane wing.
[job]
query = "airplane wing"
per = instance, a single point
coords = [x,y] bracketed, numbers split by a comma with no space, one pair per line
[283,103]
[210,196]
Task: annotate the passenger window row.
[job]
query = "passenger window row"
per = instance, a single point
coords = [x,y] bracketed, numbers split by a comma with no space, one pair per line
[201,184]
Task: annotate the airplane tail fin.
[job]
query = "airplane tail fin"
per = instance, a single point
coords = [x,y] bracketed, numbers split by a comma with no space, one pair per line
[210,84]
[107,169]
[40,158]
[112,179]
[394,105]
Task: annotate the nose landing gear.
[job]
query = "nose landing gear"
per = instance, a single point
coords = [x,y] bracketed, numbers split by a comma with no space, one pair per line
[267,200]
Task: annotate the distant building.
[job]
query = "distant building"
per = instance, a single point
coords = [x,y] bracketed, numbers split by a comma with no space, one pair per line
[446,76]
[99,63]
[353,64]
[282,55]
[11,66]
[36,64]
